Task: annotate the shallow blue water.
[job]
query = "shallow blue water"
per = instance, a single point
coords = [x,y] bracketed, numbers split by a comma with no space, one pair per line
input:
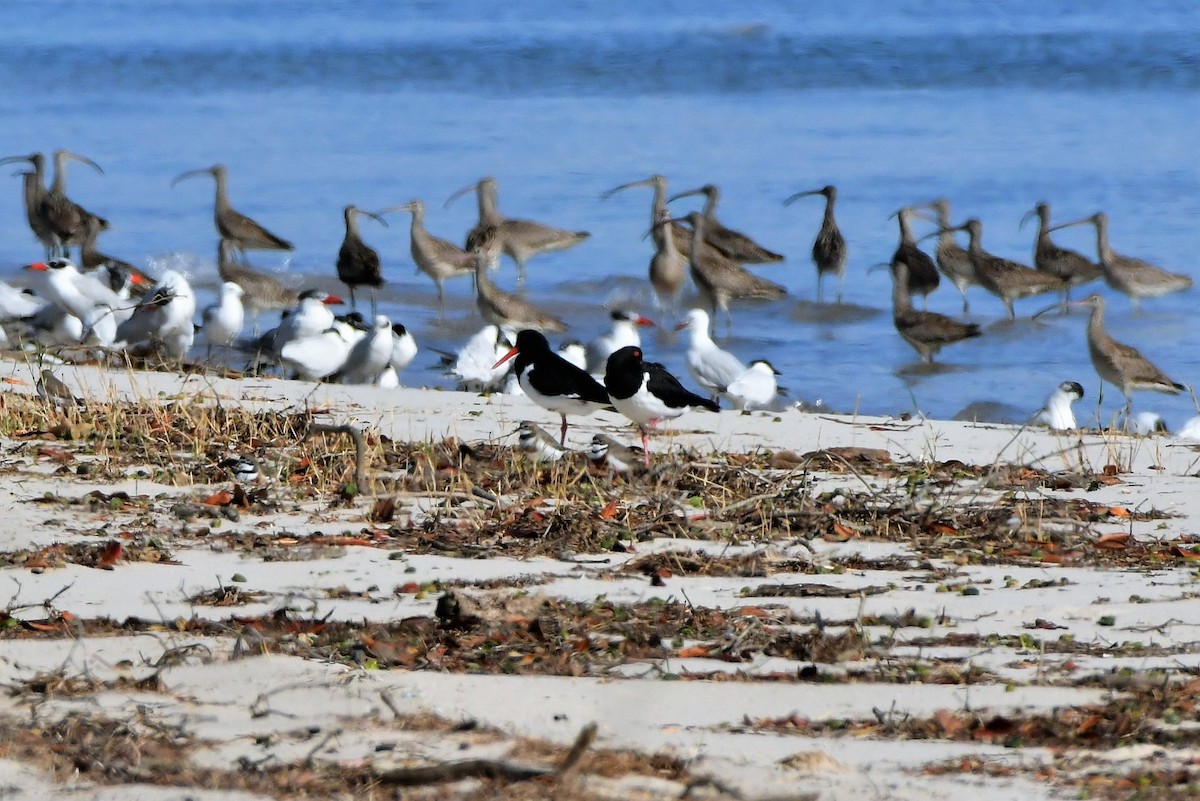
[995,106]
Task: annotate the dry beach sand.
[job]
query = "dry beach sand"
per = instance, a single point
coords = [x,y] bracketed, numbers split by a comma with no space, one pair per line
[789,605]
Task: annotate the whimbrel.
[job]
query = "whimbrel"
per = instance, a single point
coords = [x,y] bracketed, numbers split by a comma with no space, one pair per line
[733,244]
[244,232]
[1071,267]
[720,279]
[953,261]
[1133,277]
[33,192]
[503,309]
[668,265]
[922,274]
[520,239]
[67,218]
[438,258]
[1006,279]
[1119,364]
[658,212]
[927,332]
[357,262]
[60,222]
[829,248]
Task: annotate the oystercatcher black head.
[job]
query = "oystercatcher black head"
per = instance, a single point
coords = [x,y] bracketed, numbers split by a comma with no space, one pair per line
[551,381]
[646,392]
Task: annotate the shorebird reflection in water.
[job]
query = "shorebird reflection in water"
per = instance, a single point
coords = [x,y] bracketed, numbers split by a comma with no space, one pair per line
[829,248]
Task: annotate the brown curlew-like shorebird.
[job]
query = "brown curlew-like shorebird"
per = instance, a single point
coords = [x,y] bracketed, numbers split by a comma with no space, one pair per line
[719,279]
[829,248]
[953,261]
[1119,364]
[659,212]
[734,244]
[520,239]
[1005,279]
[56,220]
[922,274]
[1073,268]
[672,245]
[261,291]
[242,231]
[927,332]
[357,262]
[438,258]
[501,308]
[1133,277]
[33,193]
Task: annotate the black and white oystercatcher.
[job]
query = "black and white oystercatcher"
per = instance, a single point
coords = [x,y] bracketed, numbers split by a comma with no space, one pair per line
[551,381]
[646,393]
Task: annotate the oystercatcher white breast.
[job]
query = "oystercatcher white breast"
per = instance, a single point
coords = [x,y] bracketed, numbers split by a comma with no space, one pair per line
[646,393]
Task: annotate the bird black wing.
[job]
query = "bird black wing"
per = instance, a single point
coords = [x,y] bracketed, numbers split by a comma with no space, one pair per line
[667,388]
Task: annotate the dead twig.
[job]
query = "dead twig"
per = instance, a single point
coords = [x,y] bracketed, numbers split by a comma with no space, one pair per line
[488,768]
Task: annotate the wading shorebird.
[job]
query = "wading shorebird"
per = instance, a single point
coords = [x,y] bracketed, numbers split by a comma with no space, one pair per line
[56,220]
[829,248]
[504,309]
[357,262]
[953,260]
[1005,279]
[1120,365]
[231,224]
[733,244]
[927,332]
[438,258]
[1048,257]
[1133,277]
[672,245]
[520,239]
[720,279]
[922,274]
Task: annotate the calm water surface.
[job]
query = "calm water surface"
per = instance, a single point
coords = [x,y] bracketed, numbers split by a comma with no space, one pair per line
[995,106]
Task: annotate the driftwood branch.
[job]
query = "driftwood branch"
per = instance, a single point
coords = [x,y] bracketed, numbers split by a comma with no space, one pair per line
[489,768]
